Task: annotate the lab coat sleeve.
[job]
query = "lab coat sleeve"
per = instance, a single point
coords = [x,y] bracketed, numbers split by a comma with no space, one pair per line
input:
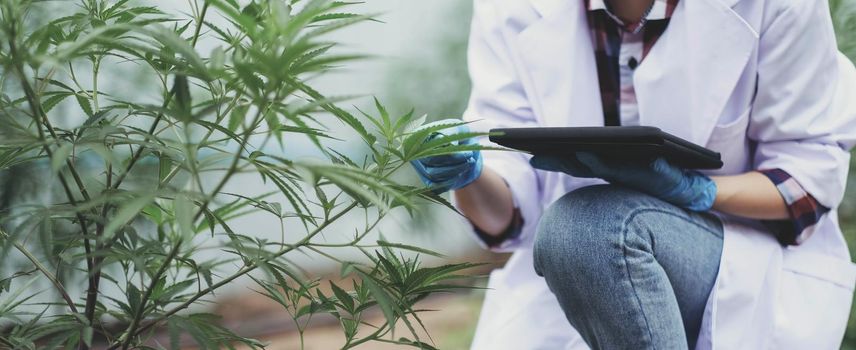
[498,100]
[802,118]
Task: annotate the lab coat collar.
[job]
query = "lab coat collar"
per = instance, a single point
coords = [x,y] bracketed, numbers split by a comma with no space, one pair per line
[698,62]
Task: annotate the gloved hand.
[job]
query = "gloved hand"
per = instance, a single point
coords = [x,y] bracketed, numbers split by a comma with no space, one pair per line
[685,188]
[449,171]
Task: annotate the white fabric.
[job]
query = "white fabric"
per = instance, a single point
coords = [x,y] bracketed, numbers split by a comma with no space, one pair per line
[532,64]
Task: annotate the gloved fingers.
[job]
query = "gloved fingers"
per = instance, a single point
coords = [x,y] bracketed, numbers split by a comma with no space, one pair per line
[448,159]
[567,165]
[706,190]
[661,165]
[450,177]
[664,168]
[444,173]
[439,184]
[548,163]
[627,172]
[421,171]
[470,172]
[599,167]
[448,184]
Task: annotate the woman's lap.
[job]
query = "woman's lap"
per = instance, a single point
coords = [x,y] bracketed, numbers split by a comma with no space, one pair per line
[629,270]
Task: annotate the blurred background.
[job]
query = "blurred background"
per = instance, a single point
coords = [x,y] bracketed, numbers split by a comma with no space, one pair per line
[420,63]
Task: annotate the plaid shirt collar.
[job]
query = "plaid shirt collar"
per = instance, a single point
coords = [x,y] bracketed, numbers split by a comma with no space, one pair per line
[660,9]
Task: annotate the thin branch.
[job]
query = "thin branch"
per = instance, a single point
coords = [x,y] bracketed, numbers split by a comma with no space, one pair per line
[50,276]
[247,269]
[148,293]
[95,280]
[42,119]
[381,331]
[139,153]
[93,288]
[233,166]
[38,115]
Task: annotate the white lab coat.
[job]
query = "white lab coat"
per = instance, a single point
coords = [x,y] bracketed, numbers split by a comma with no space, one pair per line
[760,81]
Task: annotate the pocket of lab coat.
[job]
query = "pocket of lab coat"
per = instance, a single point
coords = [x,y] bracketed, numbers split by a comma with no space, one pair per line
[729,139]
[814,299]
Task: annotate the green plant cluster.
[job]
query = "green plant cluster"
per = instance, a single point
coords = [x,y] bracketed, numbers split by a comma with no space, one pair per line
[142,176]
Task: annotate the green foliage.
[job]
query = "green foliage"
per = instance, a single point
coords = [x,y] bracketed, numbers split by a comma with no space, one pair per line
[143,175]
[844,19]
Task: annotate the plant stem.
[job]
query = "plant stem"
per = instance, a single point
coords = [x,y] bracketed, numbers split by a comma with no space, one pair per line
[40,118]
[96,65]
[95,280]
[134,158]
[233,166]
[50,276]
[139,153]
[133,328]
[148,293]
[199,22]
[95,269]
[376,335]
[247,269]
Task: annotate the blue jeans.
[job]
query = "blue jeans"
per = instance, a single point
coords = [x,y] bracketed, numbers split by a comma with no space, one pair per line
[629,270]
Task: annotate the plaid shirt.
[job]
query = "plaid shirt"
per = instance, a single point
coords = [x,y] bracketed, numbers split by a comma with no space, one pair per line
[803,209]
[618,97]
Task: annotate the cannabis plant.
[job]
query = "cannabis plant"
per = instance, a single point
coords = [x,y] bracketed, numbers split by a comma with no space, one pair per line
[133,180]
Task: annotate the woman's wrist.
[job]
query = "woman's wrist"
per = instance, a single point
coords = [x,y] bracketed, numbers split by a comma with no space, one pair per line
[724,192]
[750,195]
[487,202]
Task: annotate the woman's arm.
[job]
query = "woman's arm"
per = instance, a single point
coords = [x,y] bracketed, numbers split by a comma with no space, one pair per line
[750,195]
[487,203]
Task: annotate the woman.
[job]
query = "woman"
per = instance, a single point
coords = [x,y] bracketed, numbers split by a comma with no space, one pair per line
[746,257]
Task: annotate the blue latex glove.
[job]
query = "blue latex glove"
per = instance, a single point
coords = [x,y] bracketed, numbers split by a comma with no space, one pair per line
[685,188]
[449,171]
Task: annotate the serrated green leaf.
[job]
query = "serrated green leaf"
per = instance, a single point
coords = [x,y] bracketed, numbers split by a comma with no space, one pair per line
[134,297]
[343,296]
[386,244]
[85,105]
[49,103]
[383,299]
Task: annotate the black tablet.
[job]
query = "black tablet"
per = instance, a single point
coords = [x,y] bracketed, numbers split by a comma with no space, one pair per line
[620,142]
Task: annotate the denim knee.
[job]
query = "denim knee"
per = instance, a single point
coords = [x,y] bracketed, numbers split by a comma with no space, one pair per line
[582,224]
